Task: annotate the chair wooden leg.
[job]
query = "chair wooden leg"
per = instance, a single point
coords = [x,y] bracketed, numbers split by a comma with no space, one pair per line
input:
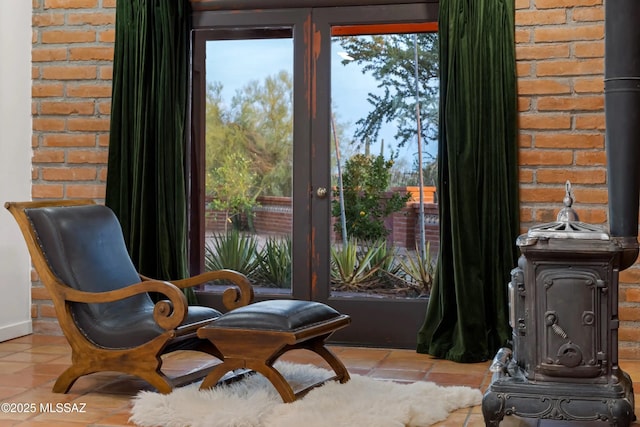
[218,372]
[68,378]
[158,380]
[319,347]
[276,379]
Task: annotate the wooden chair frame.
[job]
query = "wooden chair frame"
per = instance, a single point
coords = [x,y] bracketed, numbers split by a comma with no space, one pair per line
[143,361]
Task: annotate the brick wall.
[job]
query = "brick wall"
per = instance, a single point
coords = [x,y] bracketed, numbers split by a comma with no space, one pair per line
[560,81]
[72,60]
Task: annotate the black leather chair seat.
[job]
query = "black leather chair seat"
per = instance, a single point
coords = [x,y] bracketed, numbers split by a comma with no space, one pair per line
[136,328]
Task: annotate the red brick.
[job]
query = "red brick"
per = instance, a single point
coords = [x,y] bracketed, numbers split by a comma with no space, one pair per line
[570,68]
[39,90]
[107,36]
[629,313]
[576,176]
[66,108]
[545,157]
[523,36]
[78,72]
[47,311]
[84,156]
[545,121]
[591,158]
[548,4]
[40,293]
[540,17]
[588,14]
[591,216]
[48,156]
[70,4]
[68,36]
[69,140]
[568,33]
[524,140]
[91,18]
[86,191]
[523,69]
[592,196]
[542,51]
[589,50]
[91,54]
[48,54]
[543,87]
[49,19]
[566,103]
[69,174]
[88,124]
[573,140]
[106,72]
[589,121]
[47,191]
[89,90]
[542,194]
[589,85]
[48,124]
[104,107]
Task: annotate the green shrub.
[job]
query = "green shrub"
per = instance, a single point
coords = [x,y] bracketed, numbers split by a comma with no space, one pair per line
[418,271]
[352,268]
[274,263]
[365,180]
[232,250]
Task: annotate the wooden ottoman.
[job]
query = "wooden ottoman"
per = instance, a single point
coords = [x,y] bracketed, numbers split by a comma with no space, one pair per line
[255,336]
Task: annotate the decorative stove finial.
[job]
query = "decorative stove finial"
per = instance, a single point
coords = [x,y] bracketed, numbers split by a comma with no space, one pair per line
[568,214]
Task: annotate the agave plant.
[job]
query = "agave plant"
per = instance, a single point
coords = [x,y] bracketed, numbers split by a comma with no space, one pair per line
[420,270]
[352,268]
[232,250]
[274,263]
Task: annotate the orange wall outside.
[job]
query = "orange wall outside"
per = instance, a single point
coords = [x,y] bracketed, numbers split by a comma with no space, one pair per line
[560,66]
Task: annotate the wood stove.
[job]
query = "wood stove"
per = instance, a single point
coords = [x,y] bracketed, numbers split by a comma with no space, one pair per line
[563,363]
[564,315]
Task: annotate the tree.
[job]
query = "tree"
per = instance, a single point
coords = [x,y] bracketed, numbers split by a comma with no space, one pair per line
[263,122]
[365,182]
[232,186]
[390,58]
[257,125]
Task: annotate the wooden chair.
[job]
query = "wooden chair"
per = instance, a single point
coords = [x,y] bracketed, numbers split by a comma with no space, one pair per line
[102,303]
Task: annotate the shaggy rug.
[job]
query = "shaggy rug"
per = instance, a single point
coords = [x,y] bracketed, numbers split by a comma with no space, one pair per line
[253,402]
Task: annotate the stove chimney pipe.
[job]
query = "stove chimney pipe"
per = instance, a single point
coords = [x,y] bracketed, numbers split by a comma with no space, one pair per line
[622,114]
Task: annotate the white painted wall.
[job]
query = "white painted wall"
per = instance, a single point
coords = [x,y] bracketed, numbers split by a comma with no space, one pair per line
[15,164]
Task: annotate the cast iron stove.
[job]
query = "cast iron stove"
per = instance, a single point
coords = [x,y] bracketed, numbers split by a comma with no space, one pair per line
[563,364]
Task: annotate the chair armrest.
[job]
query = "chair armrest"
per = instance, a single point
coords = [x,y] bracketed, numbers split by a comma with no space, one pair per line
[168,314]
[236,296]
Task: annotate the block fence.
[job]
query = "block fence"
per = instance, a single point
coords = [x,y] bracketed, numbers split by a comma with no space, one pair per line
[560,67]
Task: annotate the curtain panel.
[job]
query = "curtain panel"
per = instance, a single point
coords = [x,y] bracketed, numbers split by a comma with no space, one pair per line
[146,185]
[467,314]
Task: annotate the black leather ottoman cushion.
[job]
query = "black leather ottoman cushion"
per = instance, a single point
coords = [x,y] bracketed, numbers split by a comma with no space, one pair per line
[276,315]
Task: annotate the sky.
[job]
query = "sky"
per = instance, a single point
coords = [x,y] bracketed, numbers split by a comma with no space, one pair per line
[247,60]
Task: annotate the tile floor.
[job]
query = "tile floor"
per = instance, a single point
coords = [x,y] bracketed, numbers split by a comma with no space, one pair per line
[30,364]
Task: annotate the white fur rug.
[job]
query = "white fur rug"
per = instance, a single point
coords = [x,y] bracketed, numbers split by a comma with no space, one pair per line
[253,402]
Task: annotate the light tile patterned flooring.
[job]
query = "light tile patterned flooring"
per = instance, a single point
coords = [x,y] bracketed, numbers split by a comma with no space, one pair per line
[30,364]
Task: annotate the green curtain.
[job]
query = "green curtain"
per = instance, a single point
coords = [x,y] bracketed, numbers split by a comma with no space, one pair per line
[146,185]
[467,315]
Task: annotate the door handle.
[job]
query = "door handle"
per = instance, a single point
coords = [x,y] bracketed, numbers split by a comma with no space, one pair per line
[321,192]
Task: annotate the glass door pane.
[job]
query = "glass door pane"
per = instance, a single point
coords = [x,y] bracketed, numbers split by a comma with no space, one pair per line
[249,158]
[384,115]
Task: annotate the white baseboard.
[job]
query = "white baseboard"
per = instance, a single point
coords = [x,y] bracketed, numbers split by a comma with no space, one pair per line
[15,330]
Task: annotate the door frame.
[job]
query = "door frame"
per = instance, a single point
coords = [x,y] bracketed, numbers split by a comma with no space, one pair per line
[375,322]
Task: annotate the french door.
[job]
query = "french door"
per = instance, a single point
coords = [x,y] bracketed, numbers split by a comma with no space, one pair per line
[303,43]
